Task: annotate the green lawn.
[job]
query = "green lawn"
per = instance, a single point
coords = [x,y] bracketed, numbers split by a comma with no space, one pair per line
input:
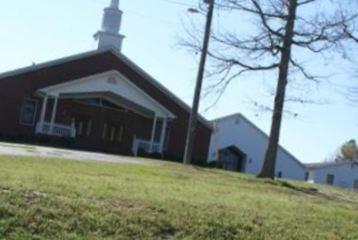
[59,199]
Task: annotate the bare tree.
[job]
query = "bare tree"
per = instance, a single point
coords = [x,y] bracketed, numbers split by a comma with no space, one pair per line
[351,32]
[347,152]
[353,93]
[283,31]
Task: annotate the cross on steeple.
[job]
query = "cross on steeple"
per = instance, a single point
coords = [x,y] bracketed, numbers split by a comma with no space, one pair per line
[115,4]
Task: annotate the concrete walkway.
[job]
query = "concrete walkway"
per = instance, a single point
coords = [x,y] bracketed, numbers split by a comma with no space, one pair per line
[12,149]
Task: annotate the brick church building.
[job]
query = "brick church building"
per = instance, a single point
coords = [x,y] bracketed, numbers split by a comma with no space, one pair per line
[98,101]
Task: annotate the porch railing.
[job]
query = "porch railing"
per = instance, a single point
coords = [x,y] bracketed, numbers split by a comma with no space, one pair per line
[145,146]
[58,130]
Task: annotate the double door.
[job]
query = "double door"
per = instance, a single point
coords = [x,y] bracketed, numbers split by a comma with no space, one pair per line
[102,131]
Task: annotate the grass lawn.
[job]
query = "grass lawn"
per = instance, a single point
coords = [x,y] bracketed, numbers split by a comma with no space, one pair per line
[60,199]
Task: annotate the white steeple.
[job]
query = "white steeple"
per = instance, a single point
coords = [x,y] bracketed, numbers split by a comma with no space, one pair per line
[109,36]
[114,3]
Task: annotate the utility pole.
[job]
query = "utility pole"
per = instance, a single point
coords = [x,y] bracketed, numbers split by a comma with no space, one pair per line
[189,144]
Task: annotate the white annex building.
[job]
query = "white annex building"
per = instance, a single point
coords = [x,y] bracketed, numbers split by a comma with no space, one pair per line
[341,174]
[239,145]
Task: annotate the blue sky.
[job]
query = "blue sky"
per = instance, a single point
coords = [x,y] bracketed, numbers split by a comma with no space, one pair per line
[41,30]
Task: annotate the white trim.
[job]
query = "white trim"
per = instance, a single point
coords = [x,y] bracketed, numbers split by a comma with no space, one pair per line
[111,73]
[59,130]
[122,57]
[315,166]
[35,112]
[43,109]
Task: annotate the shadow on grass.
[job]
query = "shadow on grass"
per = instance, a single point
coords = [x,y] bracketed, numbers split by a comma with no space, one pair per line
[306,190]
[310,191]
[222,172]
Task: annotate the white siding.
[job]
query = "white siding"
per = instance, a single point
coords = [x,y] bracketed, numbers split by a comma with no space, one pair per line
[344,174]
[238,131]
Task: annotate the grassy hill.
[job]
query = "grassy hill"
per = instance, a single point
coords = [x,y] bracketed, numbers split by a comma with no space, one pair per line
[60,199]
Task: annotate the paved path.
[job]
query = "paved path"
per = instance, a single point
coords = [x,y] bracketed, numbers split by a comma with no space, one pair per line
[37,151]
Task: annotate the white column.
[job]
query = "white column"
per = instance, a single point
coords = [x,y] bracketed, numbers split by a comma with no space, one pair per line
[153,133]
[53,116]
[162,135]
[43,114]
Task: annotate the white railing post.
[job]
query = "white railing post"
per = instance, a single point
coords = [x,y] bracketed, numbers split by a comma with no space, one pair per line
[162,136]
[53,116]
[144,145]
[153,133]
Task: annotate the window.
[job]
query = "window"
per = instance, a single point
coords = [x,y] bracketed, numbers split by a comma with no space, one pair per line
[330,179]
[80,128]
[113,132]
[91,101]
[100,102]
[28,112]
[89,128]
[108,104]
[307,176]
[355,184]
[120,134]
[104,133]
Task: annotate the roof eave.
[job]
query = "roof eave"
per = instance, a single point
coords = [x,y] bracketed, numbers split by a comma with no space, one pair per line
[122,57]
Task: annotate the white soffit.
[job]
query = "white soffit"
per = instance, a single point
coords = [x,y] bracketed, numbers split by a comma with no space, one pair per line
[111,81]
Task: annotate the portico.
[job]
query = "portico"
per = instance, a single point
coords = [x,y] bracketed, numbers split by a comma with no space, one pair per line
[112,91]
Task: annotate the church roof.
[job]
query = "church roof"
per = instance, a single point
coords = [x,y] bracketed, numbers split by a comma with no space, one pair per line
[134,67]
[313,166]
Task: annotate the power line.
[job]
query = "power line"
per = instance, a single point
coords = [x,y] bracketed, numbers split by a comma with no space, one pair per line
[185,4]
[150,17]
[178,3]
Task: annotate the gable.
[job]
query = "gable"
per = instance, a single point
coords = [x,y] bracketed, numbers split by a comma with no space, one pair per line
[236,120]
[108,82]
